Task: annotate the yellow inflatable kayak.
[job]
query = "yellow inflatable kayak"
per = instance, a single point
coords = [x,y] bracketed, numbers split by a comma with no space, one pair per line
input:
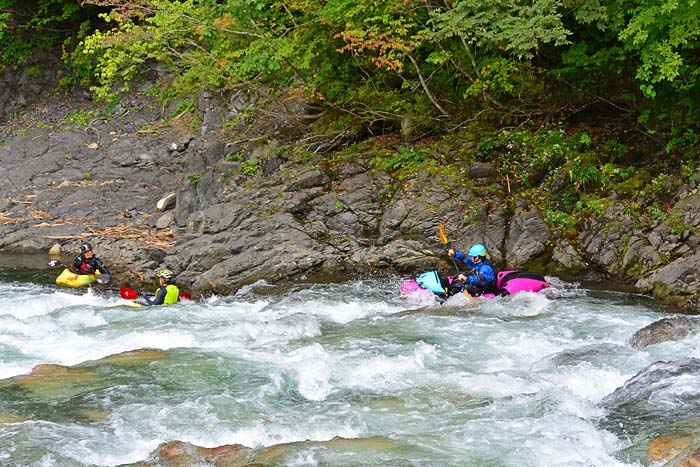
[124,302]
[72,279]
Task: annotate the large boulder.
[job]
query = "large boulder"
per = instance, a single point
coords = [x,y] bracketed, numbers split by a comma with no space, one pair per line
[666,329]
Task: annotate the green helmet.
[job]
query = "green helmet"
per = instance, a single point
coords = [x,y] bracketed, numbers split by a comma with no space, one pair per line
[166,274]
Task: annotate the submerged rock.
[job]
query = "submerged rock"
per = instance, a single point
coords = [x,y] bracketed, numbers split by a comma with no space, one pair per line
[6,418]
[666,329]
[180,453]
[136,356]
[49,382]
[665,448]
[663,394]
[49,374]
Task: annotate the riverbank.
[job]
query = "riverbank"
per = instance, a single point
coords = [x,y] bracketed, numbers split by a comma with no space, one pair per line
[152,190]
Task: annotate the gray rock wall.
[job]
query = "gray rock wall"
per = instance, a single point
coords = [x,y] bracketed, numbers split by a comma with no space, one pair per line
[20,88]
[286,219]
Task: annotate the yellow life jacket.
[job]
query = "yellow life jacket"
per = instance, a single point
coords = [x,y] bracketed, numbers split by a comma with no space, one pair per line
[171,295]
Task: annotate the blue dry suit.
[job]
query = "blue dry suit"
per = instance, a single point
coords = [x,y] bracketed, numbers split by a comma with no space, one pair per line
[484,276]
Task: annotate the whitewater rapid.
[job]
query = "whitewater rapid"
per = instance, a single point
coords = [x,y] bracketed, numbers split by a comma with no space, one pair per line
[515,381]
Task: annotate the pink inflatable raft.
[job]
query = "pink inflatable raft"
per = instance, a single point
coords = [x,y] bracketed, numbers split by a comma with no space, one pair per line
[507,283]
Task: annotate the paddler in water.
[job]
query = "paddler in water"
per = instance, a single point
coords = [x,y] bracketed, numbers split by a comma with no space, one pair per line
[87,263]
[483,278]
[167,293]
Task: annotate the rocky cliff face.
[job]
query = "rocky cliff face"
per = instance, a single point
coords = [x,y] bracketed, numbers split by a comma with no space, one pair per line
[24,87]
[248,211]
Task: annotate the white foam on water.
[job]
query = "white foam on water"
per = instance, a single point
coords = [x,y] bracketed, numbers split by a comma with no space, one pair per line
[498,385]
[146,426]
[8,370]
[420,298]
[552,440]
[529,304]
[247,289]
[557,440]
[163,340]
[522,349]
[385,373]
[340,311]
[260,333]
[23,306]
[463,300]
[587,381]
[672,388]
[82,318]
[335,360]
[271,432]
[304,459]
[311,368]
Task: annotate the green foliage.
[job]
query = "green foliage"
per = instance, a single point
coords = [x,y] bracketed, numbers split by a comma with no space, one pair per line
[439,63]
[583,172]
[518,28]
[193,179]
[184,106]
[235,157]
[526,156]
[591,205]
[26,27]
[250,168]
[688,138]
[79,117]
[665,35]
[403,158]
[560,220]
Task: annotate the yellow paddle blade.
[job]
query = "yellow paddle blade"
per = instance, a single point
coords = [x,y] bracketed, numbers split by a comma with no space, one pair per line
[443,237]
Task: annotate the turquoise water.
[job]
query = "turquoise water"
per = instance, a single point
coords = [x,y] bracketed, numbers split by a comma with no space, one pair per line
[516,381]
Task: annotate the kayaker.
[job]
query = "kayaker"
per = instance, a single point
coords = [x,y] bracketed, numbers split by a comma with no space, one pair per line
[483,279]
[167,293]
[87,263]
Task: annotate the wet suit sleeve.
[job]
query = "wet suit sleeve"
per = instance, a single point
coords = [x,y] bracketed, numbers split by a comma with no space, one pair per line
[76,264]
[484,275]
[159,299]
[99,265]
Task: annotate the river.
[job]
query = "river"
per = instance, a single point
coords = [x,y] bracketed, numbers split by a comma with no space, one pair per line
[515,381]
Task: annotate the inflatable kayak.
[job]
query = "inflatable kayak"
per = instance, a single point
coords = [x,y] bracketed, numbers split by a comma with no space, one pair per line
[507,283]
[71,279]
[124,302]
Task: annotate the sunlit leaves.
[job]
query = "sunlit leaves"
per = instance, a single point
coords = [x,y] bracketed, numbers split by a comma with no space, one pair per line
[519,28]
[665,33]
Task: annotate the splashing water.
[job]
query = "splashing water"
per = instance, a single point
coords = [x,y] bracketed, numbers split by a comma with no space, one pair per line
[514,381]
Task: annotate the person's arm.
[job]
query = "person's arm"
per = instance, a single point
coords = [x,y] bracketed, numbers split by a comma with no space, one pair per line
[99,265]
[158,299]
[485,275]
[146,298]
[76,265]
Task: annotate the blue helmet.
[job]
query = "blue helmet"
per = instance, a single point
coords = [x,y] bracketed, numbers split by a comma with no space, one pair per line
[477,250]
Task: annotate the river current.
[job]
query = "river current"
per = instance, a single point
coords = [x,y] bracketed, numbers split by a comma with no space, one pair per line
[514,381]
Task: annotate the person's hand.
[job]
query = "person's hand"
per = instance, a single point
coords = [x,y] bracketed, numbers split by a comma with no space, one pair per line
[450,252]
[462,277]
[144,295]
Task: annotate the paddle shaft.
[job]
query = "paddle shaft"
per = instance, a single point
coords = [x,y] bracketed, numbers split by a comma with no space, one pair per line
[446,241]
